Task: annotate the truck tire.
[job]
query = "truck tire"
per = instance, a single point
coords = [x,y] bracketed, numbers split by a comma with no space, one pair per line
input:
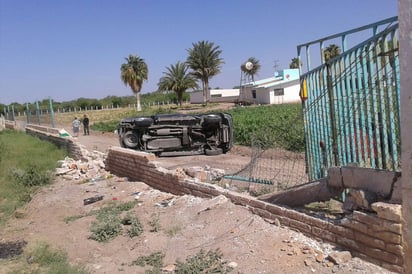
[211,120]
[130,139]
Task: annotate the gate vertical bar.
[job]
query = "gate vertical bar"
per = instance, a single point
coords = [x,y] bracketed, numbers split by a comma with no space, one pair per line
[332,115]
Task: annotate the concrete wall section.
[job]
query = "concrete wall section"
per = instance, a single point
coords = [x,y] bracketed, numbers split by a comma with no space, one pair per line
[376,237]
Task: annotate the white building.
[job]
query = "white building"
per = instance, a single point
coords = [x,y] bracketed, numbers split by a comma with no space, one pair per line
[282,88]
[215,96]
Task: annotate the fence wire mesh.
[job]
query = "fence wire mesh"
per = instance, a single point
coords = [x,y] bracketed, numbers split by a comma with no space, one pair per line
[275,164]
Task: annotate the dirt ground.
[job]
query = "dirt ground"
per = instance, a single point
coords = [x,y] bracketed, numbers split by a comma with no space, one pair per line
[186,225]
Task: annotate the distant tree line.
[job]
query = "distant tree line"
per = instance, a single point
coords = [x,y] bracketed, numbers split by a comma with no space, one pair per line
[89,103]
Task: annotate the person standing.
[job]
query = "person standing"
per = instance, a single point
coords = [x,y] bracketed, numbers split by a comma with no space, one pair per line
[86,125]
[76,127]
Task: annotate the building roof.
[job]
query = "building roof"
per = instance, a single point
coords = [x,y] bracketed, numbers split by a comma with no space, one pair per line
[286,76]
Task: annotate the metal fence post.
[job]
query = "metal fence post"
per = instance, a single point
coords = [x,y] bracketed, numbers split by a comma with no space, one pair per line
[332,115]
[51,111]
[38,112]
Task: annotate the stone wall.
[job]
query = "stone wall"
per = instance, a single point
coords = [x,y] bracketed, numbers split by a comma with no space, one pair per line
[52,135]
[9,124]
[376,236]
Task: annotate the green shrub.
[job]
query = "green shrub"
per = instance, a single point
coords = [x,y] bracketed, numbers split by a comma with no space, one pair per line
[106,228]
[155,259]
[108,223]
[105,126]
[136,227]
[126,206]
[203,262]
[31,176]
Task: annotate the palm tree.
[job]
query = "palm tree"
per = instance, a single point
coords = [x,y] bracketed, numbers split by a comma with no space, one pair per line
[295,64]
[251,71]
[331,52]
[205,62]
[133,73]
[177,79]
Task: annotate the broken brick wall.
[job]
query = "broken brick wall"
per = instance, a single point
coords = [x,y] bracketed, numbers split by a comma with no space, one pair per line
[374,237]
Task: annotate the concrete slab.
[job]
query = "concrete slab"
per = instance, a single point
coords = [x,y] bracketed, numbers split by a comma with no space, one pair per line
[312,192]
[373,180]
[335,177]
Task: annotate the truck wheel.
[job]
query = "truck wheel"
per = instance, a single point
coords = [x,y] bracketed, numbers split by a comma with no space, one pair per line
[211,120]
[130,139]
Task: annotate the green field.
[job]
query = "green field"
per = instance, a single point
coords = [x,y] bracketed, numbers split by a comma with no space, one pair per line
[25,164]
[270,126]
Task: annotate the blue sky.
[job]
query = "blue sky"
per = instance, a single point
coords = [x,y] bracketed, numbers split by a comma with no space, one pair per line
[74,48]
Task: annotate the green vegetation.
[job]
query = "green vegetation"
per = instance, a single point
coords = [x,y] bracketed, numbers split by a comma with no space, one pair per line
[147,99]
[25,164]
[136,227]
[106,228]
[155,259]
[202,262]
[133,73]
[205,62]
[108,222]
[269,126]
[43,259]
[178,79]
[252,69]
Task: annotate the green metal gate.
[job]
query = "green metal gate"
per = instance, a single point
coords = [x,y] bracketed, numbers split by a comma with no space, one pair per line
[351,102]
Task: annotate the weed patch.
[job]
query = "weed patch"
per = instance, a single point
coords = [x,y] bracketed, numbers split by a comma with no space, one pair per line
[154,259]
[106,228]
[31,176]
[108,222]
[43,259]
[136,227]
[204,262]
[155,223]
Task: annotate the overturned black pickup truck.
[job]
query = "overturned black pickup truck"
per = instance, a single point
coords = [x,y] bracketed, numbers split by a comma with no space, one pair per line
[178,134]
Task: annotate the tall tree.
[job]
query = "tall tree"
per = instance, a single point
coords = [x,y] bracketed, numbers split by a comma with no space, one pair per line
[331,52]
[178,79]
[133,73]
[251,67]
[295,63]
[205,62]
